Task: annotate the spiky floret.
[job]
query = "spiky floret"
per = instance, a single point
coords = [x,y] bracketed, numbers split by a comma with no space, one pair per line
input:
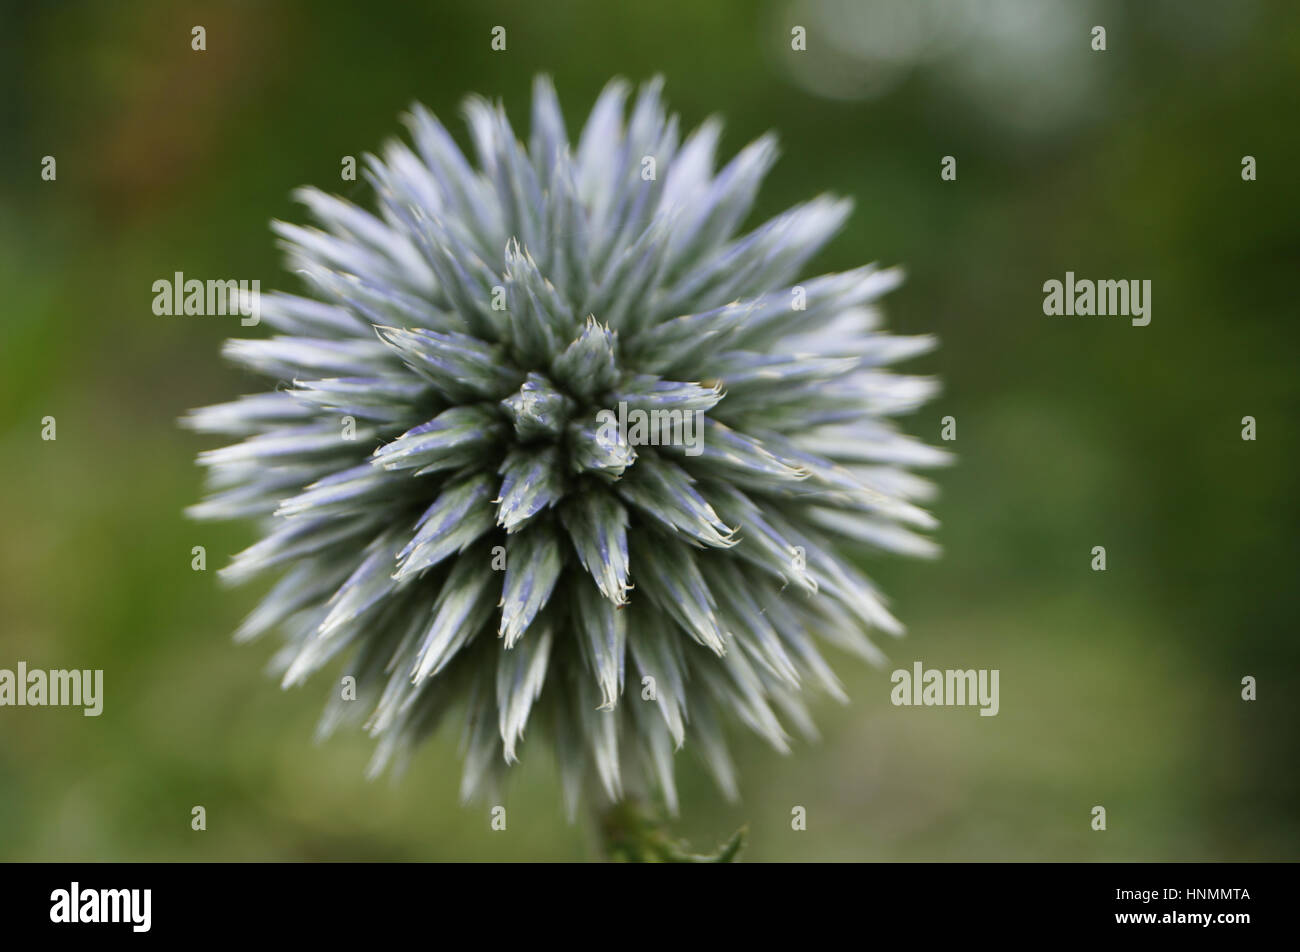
[451,514]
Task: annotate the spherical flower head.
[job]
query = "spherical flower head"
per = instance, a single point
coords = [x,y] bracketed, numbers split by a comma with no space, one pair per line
[552,446]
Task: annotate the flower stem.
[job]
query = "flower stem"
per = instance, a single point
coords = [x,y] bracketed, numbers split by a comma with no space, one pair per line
[635,833]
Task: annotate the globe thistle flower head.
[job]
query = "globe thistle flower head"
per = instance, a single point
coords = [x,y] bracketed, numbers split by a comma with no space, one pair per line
[460,491]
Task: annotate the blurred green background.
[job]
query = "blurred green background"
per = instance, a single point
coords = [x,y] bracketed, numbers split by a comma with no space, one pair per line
[1119,688]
